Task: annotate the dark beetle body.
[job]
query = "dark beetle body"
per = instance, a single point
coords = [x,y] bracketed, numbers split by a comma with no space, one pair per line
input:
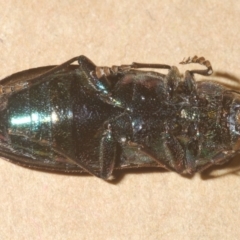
[78,118]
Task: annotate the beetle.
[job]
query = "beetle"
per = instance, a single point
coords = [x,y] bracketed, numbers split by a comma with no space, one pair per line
[75,118]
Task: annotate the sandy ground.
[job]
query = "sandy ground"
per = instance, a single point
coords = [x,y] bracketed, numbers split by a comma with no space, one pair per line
[144,204]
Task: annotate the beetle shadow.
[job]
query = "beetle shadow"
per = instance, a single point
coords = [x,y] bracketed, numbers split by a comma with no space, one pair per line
[214,172]
[119,174]
[230,168]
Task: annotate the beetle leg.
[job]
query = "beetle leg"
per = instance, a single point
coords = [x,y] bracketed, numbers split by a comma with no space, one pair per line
[166,152]
[71,160]
[134,65]
[172,152]
[202,164]
[149,65]
[97,71]
[86,64]
[53,70]
[202,61]
[107,155]
[139,154]
[190,82]
[98,82]
[106,71]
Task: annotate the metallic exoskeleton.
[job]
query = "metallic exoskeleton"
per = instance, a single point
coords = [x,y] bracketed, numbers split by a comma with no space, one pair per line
[84,118]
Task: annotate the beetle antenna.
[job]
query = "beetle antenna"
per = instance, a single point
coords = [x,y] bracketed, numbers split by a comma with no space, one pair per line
[202,61]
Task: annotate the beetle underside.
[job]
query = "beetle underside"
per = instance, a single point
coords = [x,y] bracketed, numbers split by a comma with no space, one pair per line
[84,118]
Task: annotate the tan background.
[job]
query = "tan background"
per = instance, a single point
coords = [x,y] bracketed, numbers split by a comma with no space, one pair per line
[145,205]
